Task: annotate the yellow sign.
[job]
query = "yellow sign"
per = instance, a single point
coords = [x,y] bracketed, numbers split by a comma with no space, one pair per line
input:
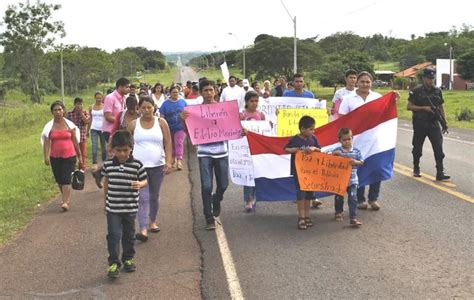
[288,118]
[320,172]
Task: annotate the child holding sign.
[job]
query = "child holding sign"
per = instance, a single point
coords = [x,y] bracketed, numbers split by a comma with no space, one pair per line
[347,150]
[304,141]
[250,114]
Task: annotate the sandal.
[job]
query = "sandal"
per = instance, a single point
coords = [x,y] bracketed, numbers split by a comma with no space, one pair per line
[355,223]
[65,207]
[301,224]
[338,217]
[308,221]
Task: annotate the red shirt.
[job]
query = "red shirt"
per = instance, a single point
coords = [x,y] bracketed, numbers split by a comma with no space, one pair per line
[61,144]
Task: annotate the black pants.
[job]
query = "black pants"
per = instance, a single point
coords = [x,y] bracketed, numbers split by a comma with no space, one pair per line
[432,130]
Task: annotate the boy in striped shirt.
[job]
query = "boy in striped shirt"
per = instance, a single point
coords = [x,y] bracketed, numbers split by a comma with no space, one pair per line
[124,176]
[348,150]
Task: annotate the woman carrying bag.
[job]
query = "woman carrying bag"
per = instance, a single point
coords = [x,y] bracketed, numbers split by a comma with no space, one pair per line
[61,150]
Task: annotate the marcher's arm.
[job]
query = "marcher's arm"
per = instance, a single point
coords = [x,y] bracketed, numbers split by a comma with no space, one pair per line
[109,117]
[165,129]
[413,107]
[106,190]
[46,151]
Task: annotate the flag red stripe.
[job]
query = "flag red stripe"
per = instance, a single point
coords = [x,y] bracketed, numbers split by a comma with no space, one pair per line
[363,118]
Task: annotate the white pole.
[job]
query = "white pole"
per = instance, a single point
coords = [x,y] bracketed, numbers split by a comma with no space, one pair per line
[295,67]
[450,67]
[62,75]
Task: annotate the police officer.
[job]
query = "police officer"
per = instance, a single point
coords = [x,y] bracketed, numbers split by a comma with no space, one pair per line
[425,124]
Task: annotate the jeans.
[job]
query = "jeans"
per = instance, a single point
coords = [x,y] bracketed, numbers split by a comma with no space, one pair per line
[95,136]
[220,167]
[149,197]
[374,191]
[249,193]
[106,136]
[351,201]
[120,227]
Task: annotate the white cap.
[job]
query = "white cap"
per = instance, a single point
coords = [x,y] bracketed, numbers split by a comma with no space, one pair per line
[245,82]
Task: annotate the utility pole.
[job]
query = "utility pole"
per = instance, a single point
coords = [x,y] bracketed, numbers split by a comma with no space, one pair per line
[293,19]
[62,75]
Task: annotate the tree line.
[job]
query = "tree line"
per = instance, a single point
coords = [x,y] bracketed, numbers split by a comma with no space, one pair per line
[32,55]
[327,58]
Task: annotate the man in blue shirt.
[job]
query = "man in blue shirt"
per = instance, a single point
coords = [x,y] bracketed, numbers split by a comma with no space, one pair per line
[299,91]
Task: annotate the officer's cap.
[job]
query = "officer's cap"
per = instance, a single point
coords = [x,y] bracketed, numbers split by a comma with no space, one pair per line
[429,73]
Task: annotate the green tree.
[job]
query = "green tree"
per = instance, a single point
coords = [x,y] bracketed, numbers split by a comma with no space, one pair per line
[29,33]
[465,65]
[126,63]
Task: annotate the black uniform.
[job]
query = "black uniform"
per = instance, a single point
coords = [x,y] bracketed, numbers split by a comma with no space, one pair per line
[425,125]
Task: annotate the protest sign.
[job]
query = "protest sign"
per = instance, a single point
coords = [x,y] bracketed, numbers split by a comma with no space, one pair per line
[322,172]
[194,101]
[288,119]
[208,123]
[240,160]
[270,105]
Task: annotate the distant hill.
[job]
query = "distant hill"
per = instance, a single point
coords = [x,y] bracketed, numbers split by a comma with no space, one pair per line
[185,56]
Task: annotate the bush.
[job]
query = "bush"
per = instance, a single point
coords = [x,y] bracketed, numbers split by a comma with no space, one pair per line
[465,115]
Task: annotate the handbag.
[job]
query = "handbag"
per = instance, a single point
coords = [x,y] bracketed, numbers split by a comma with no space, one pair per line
[77,180]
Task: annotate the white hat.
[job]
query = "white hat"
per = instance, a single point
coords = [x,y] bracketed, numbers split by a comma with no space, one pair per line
[245,82]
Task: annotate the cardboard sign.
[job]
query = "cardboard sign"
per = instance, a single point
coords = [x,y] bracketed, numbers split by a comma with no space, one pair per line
[288,119]
[322,172]
[240,160]
[208,123]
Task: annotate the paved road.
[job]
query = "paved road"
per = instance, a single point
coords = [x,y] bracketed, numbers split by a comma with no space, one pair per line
[419,245]
[186,73]
[64,256]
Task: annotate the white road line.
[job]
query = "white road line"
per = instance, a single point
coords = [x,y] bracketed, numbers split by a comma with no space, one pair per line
[229,267]
[444,137]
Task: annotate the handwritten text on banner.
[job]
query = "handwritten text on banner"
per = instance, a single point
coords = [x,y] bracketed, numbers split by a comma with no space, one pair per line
[208,123]
[322,172]
[288,119]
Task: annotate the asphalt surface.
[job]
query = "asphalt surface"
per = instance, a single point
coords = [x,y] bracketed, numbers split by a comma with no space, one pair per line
[418,246]
[64,256]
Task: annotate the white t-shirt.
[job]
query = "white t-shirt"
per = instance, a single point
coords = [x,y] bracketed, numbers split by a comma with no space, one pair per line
[233,93]
[148,144]
[352,101]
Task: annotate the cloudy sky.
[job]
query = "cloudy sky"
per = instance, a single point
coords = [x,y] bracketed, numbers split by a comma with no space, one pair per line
[188,25]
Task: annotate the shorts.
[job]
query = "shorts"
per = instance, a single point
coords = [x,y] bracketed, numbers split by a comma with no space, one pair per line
[303,195]
[62,169]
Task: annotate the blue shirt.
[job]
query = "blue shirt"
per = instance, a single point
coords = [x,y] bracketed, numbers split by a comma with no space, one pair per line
[299,142]
[354,153]
[170,110]
[304,94]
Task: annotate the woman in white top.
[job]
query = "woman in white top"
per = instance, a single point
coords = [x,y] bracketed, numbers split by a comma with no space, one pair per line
[361,96]
[157,95]
[96,112]
[152,146]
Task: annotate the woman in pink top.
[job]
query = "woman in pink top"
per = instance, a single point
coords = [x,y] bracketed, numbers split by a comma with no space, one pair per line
[251,114]
[60,148]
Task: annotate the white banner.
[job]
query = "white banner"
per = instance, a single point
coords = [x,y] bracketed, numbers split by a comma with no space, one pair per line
[240,161]
[225,72]
[270,105]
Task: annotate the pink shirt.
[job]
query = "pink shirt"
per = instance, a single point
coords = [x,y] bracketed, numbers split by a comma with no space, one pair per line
[112,103]
[61,144]
[256,116]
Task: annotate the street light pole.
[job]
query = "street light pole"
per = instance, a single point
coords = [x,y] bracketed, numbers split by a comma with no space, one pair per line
[243,52]
[450,67]
[293,19]
[62,75]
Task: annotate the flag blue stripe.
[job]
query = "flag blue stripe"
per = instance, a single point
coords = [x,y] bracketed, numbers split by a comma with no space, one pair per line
[377,167]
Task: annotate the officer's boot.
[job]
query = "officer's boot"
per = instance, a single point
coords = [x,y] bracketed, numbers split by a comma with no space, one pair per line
[440,175]
[416,168]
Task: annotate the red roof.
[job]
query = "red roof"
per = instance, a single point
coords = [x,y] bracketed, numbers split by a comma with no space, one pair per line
[411,71]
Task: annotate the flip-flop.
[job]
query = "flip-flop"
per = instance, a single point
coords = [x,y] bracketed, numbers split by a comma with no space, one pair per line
[155,229]
[141,237]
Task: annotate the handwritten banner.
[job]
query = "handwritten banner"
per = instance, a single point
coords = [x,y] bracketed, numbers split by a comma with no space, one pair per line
[288,119]
[270,105]
[208,123]
[240,160]
[323,172]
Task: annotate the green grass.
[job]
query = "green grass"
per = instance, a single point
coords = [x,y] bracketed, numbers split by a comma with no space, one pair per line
[386,66]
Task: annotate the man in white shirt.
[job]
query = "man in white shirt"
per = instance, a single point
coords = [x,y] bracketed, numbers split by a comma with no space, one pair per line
[351,78]
[232,92]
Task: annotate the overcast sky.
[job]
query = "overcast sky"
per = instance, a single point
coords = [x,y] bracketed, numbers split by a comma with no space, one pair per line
[188,25]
